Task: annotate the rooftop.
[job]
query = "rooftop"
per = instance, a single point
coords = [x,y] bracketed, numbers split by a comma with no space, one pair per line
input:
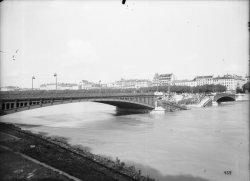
[185,80]
[133,80]
[59,84]
[204,77]
[165,75]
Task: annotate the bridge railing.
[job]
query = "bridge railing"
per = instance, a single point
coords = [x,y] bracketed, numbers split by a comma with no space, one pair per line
[63,94]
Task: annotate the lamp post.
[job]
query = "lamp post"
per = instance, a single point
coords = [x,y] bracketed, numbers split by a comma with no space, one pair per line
[55,75]
[33,77]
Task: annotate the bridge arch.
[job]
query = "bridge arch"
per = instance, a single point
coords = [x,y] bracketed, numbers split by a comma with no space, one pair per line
[124,104]
[224,97]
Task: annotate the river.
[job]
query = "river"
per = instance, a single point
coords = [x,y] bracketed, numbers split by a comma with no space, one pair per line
[197,144]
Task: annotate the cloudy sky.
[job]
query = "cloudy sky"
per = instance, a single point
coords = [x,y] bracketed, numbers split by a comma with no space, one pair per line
[107,41]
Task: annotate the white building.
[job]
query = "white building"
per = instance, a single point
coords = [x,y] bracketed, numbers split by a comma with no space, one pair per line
[48,86]
[142,83]
[232,82]
[190,83]
[10,88]
[130,83]
[60,86]
[111,85]
[84,84]
[163,79]
[203,80]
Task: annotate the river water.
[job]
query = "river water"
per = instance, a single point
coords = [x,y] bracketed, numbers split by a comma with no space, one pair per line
[197,144]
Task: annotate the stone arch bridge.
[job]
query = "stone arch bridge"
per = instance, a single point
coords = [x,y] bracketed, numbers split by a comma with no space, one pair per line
[224,97]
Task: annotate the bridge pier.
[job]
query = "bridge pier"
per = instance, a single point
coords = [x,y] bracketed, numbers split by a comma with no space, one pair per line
[152,101]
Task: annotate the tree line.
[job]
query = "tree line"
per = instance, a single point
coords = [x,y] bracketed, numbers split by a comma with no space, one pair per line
[101,91]
[187,89]
[174,88]
[246,87]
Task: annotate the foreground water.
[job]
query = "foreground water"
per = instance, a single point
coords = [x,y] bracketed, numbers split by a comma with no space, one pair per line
[198,144]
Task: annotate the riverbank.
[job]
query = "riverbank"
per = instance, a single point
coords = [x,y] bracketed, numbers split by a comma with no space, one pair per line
[15,166]
[74,160]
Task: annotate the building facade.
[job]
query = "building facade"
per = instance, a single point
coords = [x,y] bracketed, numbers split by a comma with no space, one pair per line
[130,84]
[86,85]
[163,79]
[203,80]
[190,83]
[60,86]
[10,88]
[232,82]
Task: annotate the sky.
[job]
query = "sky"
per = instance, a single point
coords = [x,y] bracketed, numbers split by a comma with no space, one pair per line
[107,41]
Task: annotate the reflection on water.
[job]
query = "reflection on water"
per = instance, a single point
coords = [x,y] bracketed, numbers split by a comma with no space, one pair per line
[182,145]
[156,174]
[123,112]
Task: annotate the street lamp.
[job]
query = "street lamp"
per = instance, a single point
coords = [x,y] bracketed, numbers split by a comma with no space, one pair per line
[55,75]
[33,77]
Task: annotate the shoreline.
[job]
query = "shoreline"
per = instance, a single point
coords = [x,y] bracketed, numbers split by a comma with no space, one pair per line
[74,160]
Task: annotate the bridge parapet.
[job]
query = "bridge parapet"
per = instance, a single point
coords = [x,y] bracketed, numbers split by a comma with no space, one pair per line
[66,94]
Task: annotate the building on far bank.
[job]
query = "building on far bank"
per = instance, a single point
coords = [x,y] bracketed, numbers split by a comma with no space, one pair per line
[130,83]
[190,83]
[163,79]
[86,85]
[10,88]
[156,81]
[203,80]
[60,86]
[232,82]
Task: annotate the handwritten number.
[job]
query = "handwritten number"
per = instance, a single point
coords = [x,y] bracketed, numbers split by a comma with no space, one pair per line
[228,172]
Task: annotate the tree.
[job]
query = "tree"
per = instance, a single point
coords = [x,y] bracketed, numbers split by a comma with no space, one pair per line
[239,90]
[246,86]
[220,88]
